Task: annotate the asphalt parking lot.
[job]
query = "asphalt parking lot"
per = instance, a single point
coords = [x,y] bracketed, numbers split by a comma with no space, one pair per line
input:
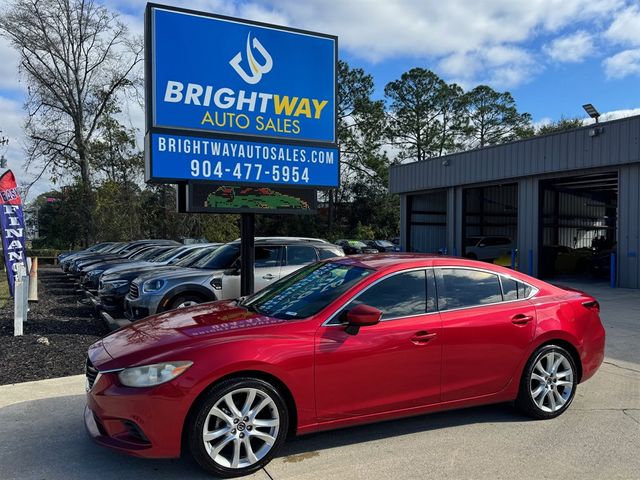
[43,437]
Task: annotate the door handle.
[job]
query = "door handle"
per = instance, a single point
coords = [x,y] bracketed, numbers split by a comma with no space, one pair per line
[268,276]
[422,337]
[521,319]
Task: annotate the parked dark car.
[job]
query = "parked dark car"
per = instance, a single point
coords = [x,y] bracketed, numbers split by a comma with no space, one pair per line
[355,247]
[91,275]
[112,250]
[128,251]
[382,245]
[98,247]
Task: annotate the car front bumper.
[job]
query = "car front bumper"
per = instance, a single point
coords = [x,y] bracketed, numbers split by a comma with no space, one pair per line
[143,422]
[141,307]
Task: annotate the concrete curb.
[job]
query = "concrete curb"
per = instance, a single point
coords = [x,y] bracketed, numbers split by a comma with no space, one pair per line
[39,389]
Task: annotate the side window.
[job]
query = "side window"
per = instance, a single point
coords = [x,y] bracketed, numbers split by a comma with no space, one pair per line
[514,290]
[327,253]
[400,295]
[267,257]
[459,288]
[300,255]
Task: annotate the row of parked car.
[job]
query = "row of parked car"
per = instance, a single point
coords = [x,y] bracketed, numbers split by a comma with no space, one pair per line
[126,281]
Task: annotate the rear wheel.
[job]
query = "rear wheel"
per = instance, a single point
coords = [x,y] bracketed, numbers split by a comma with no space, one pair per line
[548,383]
[238,428]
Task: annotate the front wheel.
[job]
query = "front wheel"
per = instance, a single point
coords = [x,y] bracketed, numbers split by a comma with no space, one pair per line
[548,383]
[184,301]
[238,427]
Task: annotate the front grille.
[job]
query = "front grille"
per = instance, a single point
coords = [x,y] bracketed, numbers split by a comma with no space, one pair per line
[91,372]
[134,291]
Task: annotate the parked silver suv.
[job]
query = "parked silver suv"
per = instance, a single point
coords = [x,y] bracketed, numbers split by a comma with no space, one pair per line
[153,293]
[274,261]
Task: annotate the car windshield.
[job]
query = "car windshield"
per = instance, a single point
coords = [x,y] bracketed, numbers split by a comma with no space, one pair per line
[115,248]
[356,243]
[306,291]
[166,255]
[193,256]
[220,259]
[149,254]
[139,253]
[384,243]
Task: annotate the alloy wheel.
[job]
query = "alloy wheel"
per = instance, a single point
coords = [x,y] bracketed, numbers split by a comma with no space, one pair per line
[241,428]
[187,303]
[551,382]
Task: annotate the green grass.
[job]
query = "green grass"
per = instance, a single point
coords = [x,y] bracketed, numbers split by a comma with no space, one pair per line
[4,290]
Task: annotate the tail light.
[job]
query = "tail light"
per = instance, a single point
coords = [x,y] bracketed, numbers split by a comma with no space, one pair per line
[592,305]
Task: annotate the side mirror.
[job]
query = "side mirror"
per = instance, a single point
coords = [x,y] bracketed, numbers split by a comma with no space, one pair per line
[361,316]
[481,245]
[235,267]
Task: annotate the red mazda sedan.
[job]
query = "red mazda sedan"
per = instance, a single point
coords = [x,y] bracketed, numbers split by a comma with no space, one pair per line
[337,343]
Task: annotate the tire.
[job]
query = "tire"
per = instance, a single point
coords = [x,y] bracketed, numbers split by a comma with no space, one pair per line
[471,256]
[232,432]
[183,301]
[546,392]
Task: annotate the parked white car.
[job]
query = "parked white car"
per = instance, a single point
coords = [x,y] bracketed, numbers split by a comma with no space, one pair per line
[487,247]
[274,260]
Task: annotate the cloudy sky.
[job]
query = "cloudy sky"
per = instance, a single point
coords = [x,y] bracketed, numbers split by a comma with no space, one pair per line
[553,55]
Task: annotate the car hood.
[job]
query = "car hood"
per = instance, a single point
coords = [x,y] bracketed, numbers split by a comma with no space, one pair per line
[150,340]
[131,265]
[183,272]
[104,265]
[126,272]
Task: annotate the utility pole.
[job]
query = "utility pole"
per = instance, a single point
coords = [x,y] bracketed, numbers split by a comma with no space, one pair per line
[3,141]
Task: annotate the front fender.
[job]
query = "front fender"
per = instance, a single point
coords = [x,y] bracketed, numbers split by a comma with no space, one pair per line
[198,290]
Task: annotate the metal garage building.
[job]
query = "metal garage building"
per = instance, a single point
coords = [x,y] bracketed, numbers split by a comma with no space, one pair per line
[569,202]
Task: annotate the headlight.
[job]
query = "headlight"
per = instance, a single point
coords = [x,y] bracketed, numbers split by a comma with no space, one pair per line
[94,273]
[153,285]
[114,285]
[151,375]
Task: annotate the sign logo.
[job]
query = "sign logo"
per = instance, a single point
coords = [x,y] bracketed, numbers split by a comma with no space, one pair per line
[257,69]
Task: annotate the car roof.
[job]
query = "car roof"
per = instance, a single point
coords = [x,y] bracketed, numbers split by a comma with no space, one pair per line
[287,241]
[384,261]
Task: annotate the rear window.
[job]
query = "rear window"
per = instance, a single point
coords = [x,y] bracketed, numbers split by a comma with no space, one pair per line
[514,290]
[300,255]
[325,253]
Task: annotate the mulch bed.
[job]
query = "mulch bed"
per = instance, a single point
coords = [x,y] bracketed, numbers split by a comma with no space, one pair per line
[68,326]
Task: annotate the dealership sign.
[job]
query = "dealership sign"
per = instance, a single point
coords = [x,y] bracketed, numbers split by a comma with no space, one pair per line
[234,101]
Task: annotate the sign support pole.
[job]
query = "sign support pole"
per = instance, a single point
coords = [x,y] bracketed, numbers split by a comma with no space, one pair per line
[247,253]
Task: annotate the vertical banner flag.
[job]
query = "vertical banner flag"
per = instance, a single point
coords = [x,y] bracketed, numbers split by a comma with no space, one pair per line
[12,220]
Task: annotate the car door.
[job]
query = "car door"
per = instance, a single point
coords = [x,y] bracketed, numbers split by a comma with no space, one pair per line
[297,256]
[268,261]
[390,366]
[268,265]
[484,337]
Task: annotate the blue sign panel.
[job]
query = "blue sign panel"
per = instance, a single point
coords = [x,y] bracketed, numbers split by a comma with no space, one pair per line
[184,158]
[227,76]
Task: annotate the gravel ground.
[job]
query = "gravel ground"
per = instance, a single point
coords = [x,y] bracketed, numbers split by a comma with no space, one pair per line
[68,327]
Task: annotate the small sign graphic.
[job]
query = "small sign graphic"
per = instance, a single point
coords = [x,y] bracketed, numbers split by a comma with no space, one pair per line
[257,69]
